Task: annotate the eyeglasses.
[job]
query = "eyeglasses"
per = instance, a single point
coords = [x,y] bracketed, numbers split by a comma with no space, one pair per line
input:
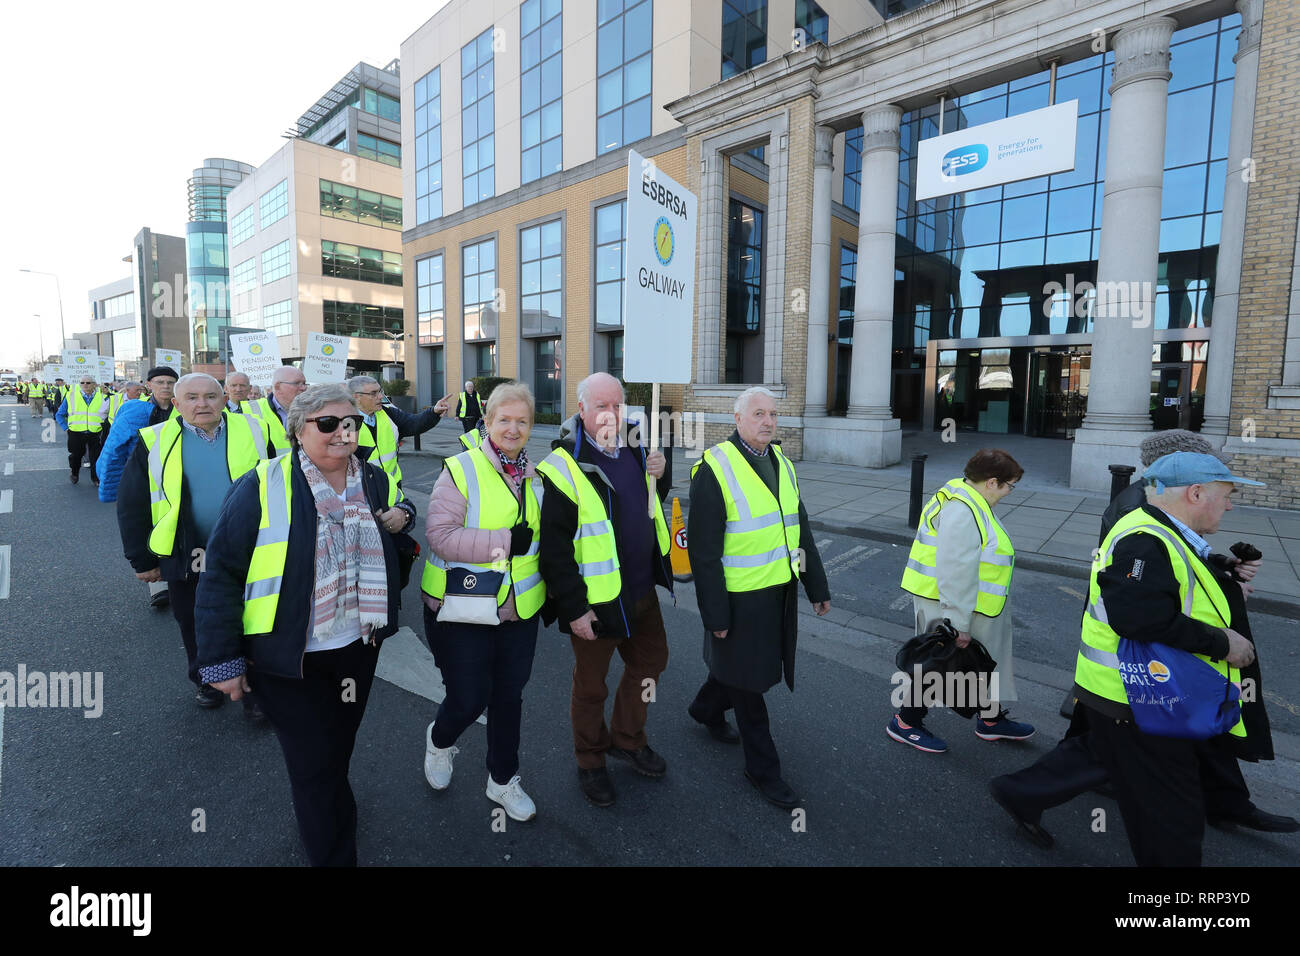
[328,424]
[1008,484]
[373,394]
[295,384]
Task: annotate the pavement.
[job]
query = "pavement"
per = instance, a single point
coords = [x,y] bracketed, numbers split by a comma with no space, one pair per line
[1053,527]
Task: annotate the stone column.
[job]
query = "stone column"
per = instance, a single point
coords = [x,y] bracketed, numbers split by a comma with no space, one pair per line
[873,312]
[1227,273]
[709,266]
[1119,388]
[819,276]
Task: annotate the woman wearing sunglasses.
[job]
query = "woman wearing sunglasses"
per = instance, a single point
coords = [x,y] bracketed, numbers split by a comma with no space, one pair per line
[482,594]
[300,587]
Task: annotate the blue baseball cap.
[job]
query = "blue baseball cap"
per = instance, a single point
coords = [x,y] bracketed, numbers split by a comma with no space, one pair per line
[1182,468]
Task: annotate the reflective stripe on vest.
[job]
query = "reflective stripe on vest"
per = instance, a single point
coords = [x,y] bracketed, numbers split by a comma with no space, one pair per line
[83,414]
[761,545]
[491,505]
[245,447]
[594,549]
[1096,667]
[266,568]
[471,439]
[388,437]
[996,557]
[114,404]
[261,409]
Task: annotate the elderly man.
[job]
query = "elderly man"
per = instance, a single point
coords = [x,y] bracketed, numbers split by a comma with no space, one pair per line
[82,416]
[750,545]
[386,425]
[604,546]
[171,493]
[237,389]
[36,396]
[468,408]
[286,384]
[129,392]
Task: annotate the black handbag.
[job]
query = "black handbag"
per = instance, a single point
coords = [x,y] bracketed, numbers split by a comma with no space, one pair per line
[936,652]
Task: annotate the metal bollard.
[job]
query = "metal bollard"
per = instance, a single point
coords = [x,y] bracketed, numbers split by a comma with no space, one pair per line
[918,484]
[1120,478]
[417,441]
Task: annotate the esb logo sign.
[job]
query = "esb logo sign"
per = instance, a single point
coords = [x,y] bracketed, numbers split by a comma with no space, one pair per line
[965,159]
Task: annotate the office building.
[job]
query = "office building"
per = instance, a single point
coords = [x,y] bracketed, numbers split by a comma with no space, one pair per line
[208,263]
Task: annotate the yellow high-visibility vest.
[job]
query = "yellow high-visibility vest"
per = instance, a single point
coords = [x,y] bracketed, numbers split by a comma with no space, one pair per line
[261,408]
[760,548]
[1097,666]
[997,554]
[387,435]
[83,413]
[491,504]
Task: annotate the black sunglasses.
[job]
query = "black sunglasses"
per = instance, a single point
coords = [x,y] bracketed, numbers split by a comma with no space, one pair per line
[327,424]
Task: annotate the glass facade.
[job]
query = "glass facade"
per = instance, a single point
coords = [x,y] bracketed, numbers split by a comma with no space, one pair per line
[243,277]
[359,320]
[119,305]
[611,234]
[241,226]
[624,34]
[208,202]
[438,372]
[853,169]
[278,318]
[844,328]
[380,150]
[428,146]
[274,204]
[745,232]
[483,360]
[206,250]
[744,35]
[812,20]
[546,376]
[477,120]
[478,264]
[430,288]
[541,279]
[342,260]
[360,205]
[365,99]
[276,262]
[540,89]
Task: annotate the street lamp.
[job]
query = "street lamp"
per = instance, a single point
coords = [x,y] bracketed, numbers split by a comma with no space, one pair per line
[63,335]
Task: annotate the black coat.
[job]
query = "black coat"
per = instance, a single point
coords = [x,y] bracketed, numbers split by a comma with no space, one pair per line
[762,625]
[219,604]
[566,591]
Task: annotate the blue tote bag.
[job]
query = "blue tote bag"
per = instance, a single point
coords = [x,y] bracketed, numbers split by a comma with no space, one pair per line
[1173,693]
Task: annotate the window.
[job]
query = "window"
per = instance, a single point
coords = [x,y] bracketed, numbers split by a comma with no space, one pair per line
[246,320]
[243,277]
[853,168]
[546,375]
[360,320]
[744,35]
[614,354]
[484,359]
[118,305]
[428,146]
[477,119]
[278,317]
[429,301]
[381,104]
[274,204]
[848,291]
[206,250]
[275,262]
[611,233]
[541,278]
[359,205]
[744,290]
[479,289]
[344,261]
[624,33]
[812,20]
[438,372]
[540,89]
[381,150]
[241,226]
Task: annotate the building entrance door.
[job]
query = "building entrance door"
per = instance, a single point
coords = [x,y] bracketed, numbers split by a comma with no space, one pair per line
[1058,392]
[1171,405]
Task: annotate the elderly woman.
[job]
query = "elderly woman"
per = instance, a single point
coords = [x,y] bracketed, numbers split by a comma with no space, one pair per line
[482,592]
[960,569]
[301,587]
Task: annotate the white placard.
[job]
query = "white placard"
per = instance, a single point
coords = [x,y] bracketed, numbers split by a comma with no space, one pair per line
[104,369]
[1030,144]
[257,355]
[169,357]
[660,307]
[78,362]
[326,358]
[49,373]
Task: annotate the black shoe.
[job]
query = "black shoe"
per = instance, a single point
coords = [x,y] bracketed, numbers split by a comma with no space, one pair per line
[776,791]
[1032,831]
[645,761]
[161,599]
[252,711]
[723,732]
[72,478]
[209,698]
[1257,819]
[597,786]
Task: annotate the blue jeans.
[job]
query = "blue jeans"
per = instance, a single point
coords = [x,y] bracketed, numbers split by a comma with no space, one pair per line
[483,668]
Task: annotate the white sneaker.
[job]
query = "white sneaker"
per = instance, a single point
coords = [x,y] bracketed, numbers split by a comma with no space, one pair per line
[437,762]
[519,805]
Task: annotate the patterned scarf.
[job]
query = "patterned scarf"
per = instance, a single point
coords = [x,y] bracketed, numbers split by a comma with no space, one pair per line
[351,577]
[514,468]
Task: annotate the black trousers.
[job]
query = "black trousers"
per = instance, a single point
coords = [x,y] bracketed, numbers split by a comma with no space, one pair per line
[710,707]
[79,444]
[467,423]
[316,720]
[182,602]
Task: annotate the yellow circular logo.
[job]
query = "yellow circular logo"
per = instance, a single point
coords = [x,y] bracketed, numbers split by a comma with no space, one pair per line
[81,360]
[327,350]
[1158,671]
[664,240]
[255,350]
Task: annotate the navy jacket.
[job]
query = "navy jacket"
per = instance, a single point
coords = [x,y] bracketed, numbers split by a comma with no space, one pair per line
[219,605]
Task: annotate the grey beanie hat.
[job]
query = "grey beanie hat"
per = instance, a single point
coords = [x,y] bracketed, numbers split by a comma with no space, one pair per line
[1158,444]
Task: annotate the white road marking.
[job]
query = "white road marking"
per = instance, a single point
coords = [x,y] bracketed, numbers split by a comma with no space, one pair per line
[2,746]
[1070,591]
[823,543]
[850,559]
[9,468]
[900,602]
[4,571]
[6,501]
[406,662]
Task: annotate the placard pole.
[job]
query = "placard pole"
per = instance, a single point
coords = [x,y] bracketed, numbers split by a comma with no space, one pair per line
[653,411]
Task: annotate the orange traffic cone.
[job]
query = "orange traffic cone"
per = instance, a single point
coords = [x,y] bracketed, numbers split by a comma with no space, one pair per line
[681,561]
